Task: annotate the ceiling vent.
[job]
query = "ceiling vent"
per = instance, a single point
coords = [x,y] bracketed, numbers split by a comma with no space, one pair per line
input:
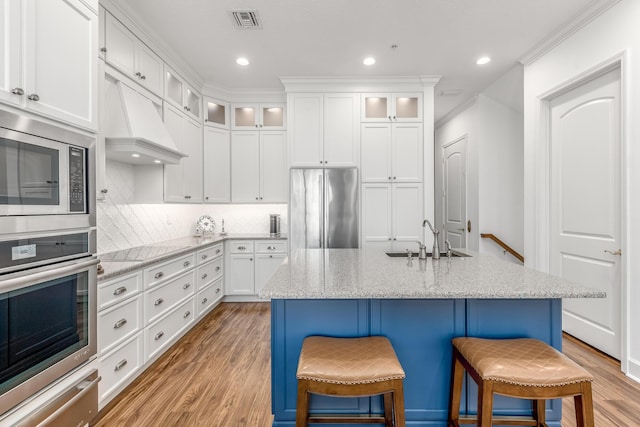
[246,19]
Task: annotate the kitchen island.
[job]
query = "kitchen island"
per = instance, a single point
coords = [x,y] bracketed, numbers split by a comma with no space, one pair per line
[420,305]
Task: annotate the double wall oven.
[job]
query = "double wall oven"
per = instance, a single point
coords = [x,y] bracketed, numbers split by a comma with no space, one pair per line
[47,273]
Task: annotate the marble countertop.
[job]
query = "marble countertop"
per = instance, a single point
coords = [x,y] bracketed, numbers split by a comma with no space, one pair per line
[127,260]
[370,273]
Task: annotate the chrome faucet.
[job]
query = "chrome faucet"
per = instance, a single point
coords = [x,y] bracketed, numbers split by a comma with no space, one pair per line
[422,250]
[447,246]
[435,253]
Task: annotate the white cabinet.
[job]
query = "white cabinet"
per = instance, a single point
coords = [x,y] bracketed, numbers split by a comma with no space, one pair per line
[217,165]
[45,70]
[392,152]
[178,92]
[392,107]
[324,129]
[216,113]
[269,116]
[127,53]
[392,215]
[183,182]
[258,167]
[210,280]
[251,264]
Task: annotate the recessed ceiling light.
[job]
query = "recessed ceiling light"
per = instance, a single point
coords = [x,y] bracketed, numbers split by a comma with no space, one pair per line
[369,61]
[483,60]
[157,161]
[242,61]
[135,155]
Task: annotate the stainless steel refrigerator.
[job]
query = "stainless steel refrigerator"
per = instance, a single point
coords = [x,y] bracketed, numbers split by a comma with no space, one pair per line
[323,208]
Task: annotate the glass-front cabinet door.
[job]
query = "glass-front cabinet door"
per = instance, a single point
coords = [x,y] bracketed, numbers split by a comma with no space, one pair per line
[269,116]
[392,107]
[180,94]
[216,113]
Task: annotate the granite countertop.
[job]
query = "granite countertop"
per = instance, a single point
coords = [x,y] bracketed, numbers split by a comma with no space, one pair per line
[127,260]
[369,273]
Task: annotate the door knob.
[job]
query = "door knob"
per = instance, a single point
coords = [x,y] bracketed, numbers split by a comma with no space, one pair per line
[618,252]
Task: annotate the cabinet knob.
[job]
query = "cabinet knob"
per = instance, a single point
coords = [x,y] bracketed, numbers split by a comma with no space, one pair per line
[33,97]
[250,259]
[186,264]
[261,125]
[389,117]
[159,275]
[139,74]
[325,162]
[206,197]
[158,301]
[143,77]
[204,276]
[104,190]
[394,177]
[395,118]
[204,256]
[271,248]
[270,256]
[320,161]
[204,300]
[394,238]
[103,49]
[218,268]
[17,91]
[217,251]
[188,285]
[256,198]
[217,290]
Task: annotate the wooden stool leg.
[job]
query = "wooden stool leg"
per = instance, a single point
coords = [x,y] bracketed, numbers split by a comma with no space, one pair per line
[302,406]
[584,406]
[485,403]
[398,404]
[388,409]
[455,391]
[539,412]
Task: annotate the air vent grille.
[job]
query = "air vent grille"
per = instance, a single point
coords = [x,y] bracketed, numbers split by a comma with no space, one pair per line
[246,19]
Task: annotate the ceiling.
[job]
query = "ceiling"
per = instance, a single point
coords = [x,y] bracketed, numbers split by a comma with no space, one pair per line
[319,38]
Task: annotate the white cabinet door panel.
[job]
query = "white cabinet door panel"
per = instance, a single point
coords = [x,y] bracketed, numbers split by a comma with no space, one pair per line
[241,275]
[376,152]
[407,154]
[266,265]
[376,214]
[245,166]
[273,167]
[217,166]
[306,130]
[192,165]
[121,46]
[407,215]
[10,52]
[341,129]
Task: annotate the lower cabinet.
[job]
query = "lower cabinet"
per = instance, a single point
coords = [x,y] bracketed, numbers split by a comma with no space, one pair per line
[141,314]
[251,263]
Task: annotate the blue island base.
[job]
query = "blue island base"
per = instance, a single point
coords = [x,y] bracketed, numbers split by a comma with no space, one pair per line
[420,331]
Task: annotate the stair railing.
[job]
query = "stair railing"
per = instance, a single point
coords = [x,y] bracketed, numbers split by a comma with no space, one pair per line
[503,245]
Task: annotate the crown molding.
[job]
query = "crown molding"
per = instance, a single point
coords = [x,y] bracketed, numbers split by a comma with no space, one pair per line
[358,84]
[457,110]
[595,9]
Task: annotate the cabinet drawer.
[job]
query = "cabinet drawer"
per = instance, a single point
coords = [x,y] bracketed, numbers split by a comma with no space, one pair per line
[209,296]
[119,366]
[209,272]
[161,299]
[208,254]
[112,292]
[119,323]
[159,273]
[241,246]
[271,246]
[161,334]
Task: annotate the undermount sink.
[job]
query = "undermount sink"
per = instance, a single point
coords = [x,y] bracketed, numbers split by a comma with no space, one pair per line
[429,254]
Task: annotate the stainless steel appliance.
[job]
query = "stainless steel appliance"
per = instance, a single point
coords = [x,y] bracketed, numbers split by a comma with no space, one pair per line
[323,208]
[48,274]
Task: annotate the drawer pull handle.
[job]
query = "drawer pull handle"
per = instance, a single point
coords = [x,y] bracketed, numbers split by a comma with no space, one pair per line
[120,323]
[217,290]
[120,290]
[121,364]
[158,335]
[186,264]
[159,274]
[187,314]
[241,248]
[186,286]
[204,276]
[204,301]
[271,248]
[204,256]
[158,301]
[218,268]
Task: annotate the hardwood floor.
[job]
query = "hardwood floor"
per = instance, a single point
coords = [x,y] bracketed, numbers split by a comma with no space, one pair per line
[219,375]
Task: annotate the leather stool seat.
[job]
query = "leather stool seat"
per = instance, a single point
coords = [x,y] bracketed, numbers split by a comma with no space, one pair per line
[350,367]
[523,368]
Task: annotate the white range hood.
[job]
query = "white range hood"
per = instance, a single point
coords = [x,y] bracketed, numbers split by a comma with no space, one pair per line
[134,132]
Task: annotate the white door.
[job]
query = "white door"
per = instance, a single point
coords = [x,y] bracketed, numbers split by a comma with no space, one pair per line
[586,206]
[455,192]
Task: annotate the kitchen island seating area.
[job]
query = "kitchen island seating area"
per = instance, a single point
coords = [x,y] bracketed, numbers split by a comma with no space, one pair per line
[353,367]
[523,368]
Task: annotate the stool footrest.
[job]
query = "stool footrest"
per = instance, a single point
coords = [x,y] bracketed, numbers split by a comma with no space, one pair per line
[501,420]
[327,419]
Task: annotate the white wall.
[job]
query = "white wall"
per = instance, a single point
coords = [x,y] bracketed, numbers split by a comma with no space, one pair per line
[123,224]
[494,131]
[614,33]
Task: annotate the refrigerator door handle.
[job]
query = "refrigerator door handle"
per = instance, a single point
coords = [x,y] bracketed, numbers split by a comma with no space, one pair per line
[322,210]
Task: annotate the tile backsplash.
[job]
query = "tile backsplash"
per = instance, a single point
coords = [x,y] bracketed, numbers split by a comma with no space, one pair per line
[123,224]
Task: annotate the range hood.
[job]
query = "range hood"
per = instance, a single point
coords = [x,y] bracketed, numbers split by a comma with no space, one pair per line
[134,132]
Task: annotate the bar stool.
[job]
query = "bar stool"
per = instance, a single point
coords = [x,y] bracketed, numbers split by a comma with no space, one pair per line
[524,368]
[350,367]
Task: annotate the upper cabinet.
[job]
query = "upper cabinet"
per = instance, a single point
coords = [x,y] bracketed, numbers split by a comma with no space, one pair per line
[178,92]
[392,107]
[250,116]
[124,51]
[324,129]
[47,71]
[216,113]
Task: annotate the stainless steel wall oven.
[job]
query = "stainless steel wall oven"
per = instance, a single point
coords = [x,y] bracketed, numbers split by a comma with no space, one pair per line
[48,280]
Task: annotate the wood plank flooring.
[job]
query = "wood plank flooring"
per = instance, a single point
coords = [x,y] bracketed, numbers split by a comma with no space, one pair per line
[219,375]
